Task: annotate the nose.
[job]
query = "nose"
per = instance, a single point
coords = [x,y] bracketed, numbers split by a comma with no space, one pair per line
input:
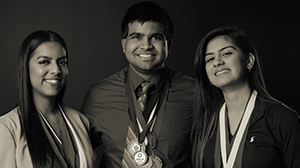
[218,62]
[55,69]
[146,44]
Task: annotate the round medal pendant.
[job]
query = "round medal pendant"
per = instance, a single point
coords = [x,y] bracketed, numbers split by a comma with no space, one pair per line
[135,146]
[140,158]
[148,164]
[157,162]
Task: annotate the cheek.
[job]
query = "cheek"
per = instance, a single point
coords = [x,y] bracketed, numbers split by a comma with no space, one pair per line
[162,47]
[65,72]
[240,67]
[36,73]
[33,73]
[208,71]
[129,46]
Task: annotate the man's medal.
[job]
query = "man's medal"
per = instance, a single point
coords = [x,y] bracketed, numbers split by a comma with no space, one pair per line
[135,147]
[156,161]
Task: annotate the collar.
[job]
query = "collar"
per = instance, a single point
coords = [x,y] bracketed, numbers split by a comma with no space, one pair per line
[136,80]
[261,105]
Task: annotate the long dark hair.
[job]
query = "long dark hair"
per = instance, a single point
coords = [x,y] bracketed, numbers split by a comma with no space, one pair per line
[38,144]
[208,98]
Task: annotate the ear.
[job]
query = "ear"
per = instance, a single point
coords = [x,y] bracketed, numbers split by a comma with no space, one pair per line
[250,61]
[170,43]
[123,41]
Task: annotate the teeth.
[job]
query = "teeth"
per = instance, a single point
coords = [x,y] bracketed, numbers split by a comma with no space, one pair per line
[53,81]
[221,72]
[145,55]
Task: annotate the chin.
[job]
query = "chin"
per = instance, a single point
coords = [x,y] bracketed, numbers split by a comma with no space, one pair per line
[52,93]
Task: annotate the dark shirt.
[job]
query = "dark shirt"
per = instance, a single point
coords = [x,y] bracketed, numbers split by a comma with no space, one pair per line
[106,106]
[66,151]
[273,139]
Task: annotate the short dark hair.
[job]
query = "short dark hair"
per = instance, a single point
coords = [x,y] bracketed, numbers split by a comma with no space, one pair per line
[148,11]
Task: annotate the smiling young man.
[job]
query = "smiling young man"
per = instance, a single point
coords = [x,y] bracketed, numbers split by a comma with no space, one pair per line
[133,132]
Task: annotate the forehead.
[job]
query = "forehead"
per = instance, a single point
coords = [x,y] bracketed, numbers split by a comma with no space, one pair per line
[218,43]
[145,27]
[50,49]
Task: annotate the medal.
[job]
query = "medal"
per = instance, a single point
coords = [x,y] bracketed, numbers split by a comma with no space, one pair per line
[156,162]
[135,146]
[140,158]
[148,164]
[228,162]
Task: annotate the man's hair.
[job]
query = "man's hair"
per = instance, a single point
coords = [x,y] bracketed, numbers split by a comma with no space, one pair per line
[148,11]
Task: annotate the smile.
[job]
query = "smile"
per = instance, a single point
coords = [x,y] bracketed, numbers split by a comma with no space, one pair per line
[145,55]
[222,72]
[53,81]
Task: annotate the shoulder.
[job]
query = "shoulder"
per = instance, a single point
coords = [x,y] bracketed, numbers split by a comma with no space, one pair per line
[280,114]
[10,123]
[113,80]
[107,89]
[74,115]
[181,76]
[181,89]
[280,110]
[181,79]
[11,119]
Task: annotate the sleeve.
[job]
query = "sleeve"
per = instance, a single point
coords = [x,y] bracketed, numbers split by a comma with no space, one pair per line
[89,109]
[7,148]
[290,135]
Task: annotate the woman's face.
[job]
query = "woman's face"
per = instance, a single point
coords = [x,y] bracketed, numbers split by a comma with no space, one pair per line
[48,70]
[225,64]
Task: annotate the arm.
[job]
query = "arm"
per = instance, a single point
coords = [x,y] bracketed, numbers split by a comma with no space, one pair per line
[89,110]
[7,148]
[290,135]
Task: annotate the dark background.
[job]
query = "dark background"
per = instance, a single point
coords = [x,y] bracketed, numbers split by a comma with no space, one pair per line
[92,32]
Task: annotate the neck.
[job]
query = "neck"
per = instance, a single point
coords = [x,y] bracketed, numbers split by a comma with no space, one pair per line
[147,75]
[236,100]
[47,106]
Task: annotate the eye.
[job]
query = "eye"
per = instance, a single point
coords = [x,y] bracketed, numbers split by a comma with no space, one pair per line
[158,37]
[208,59]
[226,53]
[63,62]
[138,37]
[44,62]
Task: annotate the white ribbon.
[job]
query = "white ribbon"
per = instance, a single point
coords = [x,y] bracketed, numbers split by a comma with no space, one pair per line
[233,153]
[82,158]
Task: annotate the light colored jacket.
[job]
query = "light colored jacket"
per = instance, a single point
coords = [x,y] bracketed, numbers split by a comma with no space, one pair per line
[13,147]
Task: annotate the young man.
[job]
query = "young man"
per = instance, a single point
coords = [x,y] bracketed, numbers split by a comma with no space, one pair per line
[134,132]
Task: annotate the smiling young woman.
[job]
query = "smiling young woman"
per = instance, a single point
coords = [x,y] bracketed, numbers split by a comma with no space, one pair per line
[41,131]
[236,122]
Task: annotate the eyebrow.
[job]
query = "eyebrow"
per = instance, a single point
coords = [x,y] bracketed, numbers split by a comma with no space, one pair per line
[221,50]
[46,57]
[134,33]
[141,34]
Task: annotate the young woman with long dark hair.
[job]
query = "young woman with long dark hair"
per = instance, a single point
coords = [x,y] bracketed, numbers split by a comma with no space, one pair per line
[41,131]
[236,122]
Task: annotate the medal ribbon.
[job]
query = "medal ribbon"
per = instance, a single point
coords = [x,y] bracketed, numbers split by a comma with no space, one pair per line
[81,155]
[152,107]
[233,153]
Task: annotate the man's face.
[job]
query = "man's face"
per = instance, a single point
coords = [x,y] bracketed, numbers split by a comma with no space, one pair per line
[145,46]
